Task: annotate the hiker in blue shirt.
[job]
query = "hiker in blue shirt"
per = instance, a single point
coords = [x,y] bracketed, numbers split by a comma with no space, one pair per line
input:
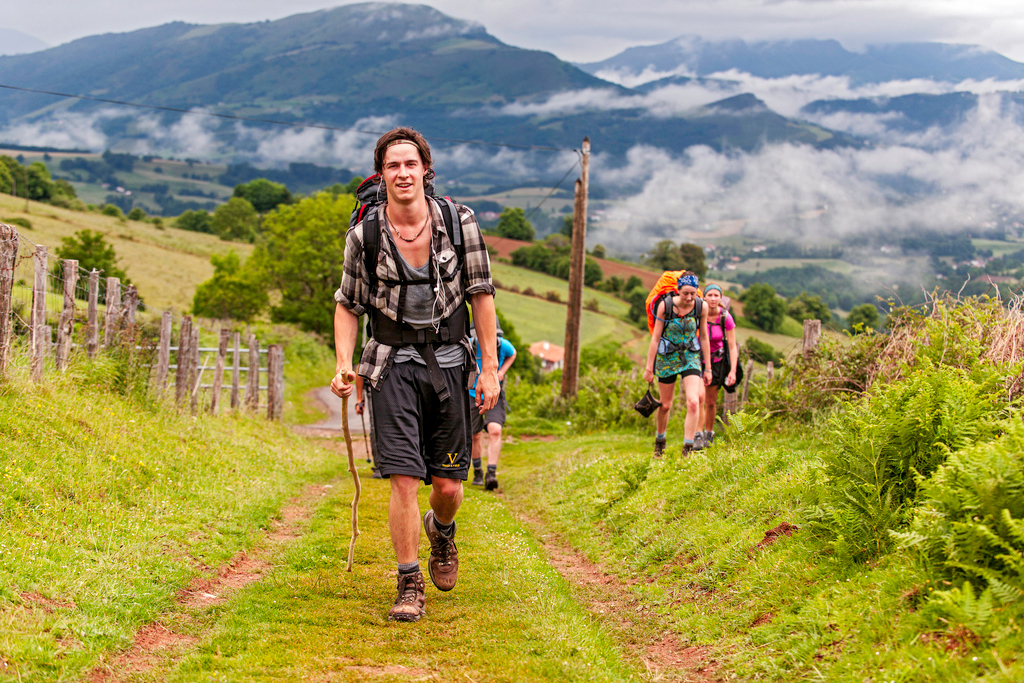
[493,420]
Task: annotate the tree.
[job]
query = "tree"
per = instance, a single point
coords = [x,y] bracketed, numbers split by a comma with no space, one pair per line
[806,306]
[599,251]
[762,307]
[863,318]
[513,224]
[664,256]
[196,221]
[300,255]
[137,214]
[236,220]
[692,257]
[92,252]
[264,195]
[231,293]
[566,227]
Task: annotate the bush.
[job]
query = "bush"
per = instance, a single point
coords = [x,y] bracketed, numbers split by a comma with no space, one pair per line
[513,224]
[112,210]
[883,446]
[19,221]
[137,214]
[763,307]
[552,295]
[762,351]
[970,522]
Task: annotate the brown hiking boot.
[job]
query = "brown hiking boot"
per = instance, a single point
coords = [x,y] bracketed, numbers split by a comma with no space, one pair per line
[443,564]
[687,449]
[411,602]
[478,476]
[491,481]
[659,447]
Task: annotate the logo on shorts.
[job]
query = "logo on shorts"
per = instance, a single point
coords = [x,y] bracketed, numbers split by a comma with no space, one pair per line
[452,457]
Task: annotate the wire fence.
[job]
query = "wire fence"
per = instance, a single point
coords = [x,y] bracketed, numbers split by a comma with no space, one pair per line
[50,306]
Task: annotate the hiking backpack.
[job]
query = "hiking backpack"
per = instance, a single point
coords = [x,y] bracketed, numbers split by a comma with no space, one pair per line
[663,290]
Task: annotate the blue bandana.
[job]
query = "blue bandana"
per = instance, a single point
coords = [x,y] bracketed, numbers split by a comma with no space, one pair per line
[687,280]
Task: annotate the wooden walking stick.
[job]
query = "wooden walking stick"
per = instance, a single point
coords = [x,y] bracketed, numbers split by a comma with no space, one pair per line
[355,475]
[366,437]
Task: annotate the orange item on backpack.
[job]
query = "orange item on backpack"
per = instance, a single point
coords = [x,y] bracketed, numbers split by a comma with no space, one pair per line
[666,284]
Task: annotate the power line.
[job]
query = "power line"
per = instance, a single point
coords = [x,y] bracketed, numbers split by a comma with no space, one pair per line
[553,189]
[276,122]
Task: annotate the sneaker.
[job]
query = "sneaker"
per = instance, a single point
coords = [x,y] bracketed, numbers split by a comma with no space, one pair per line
[411,602]
[659,447]
[478,477]
[491,482]
[698,441]
[443,564]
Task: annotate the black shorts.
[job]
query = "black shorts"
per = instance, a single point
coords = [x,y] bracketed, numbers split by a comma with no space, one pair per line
[416,433]
[671,379]
[495,414]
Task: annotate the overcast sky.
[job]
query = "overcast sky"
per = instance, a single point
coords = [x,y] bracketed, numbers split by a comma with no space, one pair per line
[586,30]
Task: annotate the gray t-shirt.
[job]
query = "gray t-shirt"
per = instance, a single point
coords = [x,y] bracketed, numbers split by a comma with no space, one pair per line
[419,312]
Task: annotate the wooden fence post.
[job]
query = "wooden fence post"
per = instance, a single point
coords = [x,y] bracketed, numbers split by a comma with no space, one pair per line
[8,257]
[218,371]
[729,405]
[275,382]
[92,327]
[812,333]
[181,385]
[37,319]
[65,331]
[195,373]
[252,378]
[131,305]
[746,383]
[163,354]
[236,359]
[771,371]
[113,308]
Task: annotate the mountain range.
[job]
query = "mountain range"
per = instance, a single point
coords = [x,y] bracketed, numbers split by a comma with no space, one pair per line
[452,79]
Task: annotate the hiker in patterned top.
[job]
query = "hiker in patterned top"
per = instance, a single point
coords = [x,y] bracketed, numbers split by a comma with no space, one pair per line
[679,342]
[724,355]
[425,265]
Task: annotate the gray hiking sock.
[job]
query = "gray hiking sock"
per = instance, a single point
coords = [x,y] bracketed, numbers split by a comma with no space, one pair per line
[492,468]
[477,463]
[409,567]
[446,530]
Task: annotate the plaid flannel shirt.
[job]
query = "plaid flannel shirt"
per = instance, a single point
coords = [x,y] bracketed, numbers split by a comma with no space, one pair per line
[354,293]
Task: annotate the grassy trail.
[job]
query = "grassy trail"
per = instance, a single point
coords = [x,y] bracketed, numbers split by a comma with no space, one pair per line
[512,617]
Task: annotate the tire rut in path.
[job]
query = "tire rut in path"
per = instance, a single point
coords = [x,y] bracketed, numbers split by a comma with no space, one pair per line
[155,641]
[636,627]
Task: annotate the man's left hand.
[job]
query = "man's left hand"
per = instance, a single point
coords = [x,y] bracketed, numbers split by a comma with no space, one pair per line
[487,390]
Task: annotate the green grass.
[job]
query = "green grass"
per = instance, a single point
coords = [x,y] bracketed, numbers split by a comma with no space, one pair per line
[109,507]
[522,278]
[537,319]
[682,534]
[998,247]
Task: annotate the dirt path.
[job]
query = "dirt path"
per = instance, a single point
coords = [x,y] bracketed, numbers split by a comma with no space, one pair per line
[639,631]
[174,632]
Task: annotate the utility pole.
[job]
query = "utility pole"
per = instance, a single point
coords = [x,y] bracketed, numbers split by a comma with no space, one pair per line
[577,264]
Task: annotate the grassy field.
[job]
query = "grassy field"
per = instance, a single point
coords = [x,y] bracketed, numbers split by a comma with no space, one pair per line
[536,320]
[165,264]
[509,275]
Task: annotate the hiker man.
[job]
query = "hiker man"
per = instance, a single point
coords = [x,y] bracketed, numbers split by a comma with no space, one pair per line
[493,420]
[427,264]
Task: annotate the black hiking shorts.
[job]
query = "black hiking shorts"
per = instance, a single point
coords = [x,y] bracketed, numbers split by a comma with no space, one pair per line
[495,414]
[417,434]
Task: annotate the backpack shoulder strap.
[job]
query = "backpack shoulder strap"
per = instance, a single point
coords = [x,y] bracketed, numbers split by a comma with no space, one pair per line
[371,246]
[453,224]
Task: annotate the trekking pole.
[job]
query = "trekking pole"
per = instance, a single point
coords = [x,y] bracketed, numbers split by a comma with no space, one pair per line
[355,479]
[366,437]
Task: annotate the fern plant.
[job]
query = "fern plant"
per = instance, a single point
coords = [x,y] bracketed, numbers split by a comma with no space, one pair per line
[883,446]
[970,523]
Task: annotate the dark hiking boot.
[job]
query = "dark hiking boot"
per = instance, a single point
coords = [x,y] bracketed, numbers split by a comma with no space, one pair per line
[698,441]
[478,477]
[411,602]
[491,482]
[687,449]
[375,474]
[443,564]
[709,438]
[659,447]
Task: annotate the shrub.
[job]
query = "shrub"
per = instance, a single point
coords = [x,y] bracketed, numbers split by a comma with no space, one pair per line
[112,210]
[529,292]
[762,351]
[136,214]
[763,307]
[552,295]
[882,446]
[19,221]
[592,305]
[970,522]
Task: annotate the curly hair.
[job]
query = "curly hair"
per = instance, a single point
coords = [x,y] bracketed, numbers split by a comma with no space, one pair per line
[403,134]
